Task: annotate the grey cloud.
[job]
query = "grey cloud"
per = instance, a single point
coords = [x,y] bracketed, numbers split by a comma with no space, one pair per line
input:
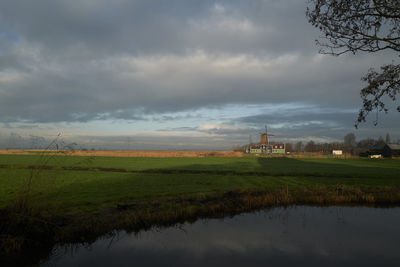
[294,117]
[167,118]
[229,130]
[97,60]
[110,27]
[159,26]
[318,123]
[178,129]
[167,84]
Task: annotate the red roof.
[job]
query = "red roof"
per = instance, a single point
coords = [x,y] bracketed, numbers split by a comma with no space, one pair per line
[278,146]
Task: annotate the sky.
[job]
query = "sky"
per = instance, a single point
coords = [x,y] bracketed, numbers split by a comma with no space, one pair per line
[177,74]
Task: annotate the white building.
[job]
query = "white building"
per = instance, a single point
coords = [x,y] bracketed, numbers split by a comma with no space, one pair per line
[337,152]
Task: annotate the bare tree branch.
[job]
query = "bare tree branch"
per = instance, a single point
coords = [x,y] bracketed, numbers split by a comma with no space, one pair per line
[386,82]
[362,26]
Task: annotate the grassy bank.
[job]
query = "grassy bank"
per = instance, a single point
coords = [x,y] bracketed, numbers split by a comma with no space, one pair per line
[79,198]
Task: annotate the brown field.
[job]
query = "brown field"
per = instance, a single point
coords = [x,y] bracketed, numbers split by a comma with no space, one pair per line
[126,153]
[162,154]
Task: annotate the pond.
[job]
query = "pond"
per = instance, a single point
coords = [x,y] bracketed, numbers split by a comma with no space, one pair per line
[294,236]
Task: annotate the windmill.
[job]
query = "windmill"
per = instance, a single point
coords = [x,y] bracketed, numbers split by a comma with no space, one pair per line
[264,137]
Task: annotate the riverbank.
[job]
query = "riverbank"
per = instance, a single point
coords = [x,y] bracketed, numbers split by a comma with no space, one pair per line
[78,199]
[22,231]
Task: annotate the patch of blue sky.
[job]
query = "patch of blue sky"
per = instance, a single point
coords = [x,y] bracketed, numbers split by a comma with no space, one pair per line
[7,41]
[9,36]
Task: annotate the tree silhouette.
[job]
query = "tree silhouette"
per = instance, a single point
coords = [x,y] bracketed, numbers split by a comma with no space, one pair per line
[362,26]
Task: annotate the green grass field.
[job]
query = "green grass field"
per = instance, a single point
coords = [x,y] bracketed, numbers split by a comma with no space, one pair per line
[75,185]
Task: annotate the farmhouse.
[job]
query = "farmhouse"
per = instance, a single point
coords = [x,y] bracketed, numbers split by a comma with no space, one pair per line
[255,149]
[265,147]
[391,150]
[278,149]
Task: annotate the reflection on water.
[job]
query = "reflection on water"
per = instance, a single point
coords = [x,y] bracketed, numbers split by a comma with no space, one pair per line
[296,236]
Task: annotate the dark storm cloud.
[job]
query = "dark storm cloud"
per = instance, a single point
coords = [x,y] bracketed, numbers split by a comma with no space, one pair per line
[77,61]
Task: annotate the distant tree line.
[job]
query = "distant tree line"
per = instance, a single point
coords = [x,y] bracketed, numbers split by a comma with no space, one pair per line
[349,145]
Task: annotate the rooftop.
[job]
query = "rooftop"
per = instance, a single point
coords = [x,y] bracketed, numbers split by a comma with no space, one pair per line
[394,146]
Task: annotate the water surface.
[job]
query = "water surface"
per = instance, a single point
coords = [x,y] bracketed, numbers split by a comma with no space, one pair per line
[295,236]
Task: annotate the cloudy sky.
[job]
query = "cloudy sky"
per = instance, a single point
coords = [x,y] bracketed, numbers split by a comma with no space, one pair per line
[175,74]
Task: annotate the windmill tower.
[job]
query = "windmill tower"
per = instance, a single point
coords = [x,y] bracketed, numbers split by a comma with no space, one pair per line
[264,137]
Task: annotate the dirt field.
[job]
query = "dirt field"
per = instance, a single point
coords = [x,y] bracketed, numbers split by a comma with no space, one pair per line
[127,153]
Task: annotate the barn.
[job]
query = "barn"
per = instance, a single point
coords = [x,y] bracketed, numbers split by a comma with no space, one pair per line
[391,150]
